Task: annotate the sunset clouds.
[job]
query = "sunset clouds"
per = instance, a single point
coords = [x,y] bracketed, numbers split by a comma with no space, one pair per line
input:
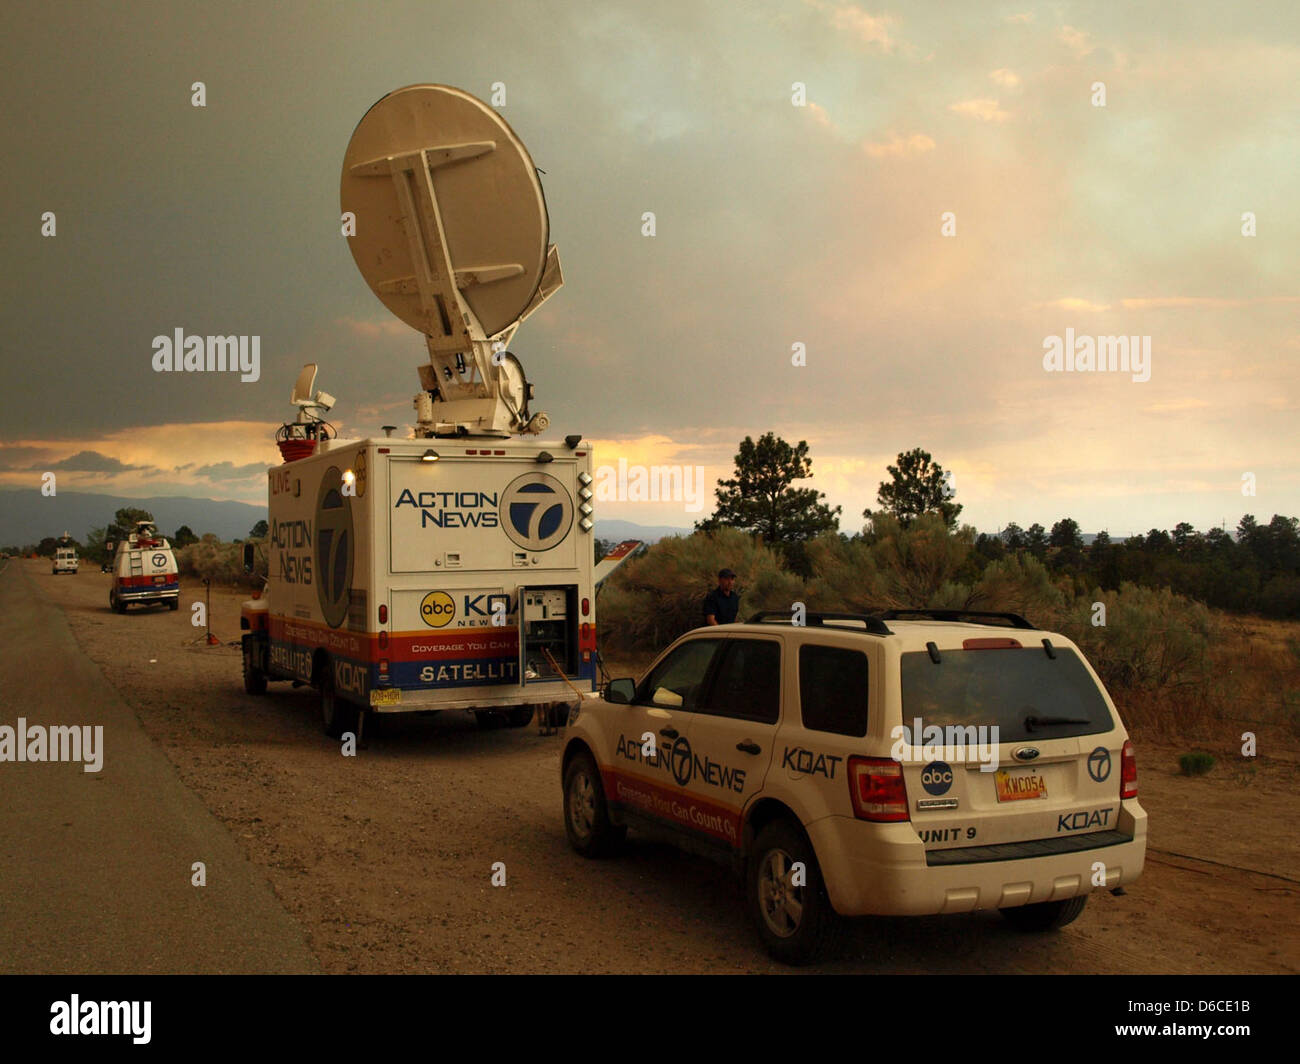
[948,195]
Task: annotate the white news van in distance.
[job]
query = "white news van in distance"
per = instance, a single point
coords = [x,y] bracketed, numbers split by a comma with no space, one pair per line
[144,571]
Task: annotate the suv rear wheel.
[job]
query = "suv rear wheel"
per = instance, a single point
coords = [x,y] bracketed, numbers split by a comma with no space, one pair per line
[1045,915]
[586,816]
[792,920]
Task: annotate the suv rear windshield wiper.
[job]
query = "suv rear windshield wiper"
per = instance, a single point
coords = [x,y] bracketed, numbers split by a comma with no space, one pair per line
[1031,721]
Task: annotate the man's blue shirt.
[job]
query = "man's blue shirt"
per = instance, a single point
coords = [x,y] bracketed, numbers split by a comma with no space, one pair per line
[723,607]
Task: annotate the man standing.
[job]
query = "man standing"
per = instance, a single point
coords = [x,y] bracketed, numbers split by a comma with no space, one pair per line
[722,604]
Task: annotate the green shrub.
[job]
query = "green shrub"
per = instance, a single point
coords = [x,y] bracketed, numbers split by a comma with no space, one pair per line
[1018,584]
[1281,597]
[1196,764]
[845,577]
[653,599]
[916,564]
[222,563]
[1151,639]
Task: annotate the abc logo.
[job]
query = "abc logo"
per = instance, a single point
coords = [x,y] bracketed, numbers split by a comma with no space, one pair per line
[936,778]
[437,609]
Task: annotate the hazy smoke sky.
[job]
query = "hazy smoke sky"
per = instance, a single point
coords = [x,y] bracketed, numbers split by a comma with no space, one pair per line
[776,224]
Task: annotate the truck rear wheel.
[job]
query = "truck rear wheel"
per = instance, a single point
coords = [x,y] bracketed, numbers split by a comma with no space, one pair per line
[254,677]
[519,716]
[118,606]
[174,604]
[337,716]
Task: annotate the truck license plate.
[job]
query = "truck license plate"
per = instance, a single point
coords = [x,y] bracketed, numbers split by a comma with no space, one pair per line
[386,696]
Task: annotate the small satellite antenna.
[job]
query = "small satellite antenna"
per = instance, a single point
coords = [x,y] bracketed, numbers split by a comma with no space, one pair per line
[452,236]
[310,406]
[297,439]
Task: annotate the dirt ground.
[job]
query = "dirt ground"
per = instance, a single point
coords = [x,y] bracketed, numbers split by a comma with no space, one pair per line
[386,858]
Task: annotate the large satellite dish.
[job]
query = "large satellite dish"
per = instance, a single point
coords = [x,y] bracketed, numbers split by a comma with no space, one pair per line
[452,236]
[436,177]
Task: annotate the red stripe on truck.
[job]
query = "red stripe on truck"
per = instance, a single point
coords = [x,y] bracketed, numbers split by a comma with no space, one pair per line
[402,646]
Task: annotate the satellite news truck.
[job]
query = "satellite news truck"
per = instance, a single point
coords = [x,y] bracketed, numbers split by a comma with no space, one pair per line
[144,571]
[452,569]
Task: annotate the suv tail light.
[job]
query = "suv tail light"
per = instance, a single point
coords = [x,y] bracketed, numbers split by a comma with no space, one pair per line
[877,789]
[1128,776]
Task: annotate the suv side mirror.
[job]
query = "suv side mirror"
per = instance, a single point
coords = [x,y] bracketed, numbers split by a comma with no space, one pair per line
[248,557]
[620,692]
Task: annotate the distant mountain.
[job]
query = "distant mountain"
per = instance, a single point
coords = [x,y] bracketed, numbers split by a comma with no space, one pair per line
[620,530]
[28,516]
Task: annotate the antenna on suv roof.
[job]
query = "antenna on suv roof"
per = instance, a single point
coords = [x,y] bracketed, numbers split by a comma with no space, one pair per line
[870,623]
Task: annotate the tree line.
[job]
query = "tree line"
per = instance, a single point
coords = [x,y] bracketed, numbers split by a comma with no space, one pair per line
[1256,570]
[95,546]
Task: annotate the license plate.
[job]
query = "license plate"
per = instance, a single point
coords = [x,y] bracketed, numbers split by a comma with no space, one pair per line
[160,579]
[1013,786]
[386,696]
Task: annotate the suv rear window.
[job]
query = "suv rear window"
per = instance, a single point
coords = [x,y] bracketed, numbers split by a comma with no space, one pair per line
[1004,688]
[833,689]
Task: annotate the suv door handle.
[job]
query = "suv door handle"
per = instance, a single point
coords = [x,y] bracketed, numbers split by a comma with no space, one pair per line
[748,747]
[668,733]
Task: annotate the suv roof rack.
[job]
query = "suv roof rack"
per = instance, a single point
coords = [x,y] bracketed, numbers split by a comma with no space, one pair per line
[871,622]
[1015,619]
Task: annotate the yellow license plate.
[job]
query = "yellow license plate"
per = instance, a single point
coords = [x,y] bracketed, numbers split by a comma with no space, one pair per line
[386,696]
[1013,786]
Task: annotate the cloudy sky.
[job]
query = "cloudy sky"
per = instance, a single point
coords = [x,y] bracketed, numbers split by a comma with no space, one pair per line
[776,224]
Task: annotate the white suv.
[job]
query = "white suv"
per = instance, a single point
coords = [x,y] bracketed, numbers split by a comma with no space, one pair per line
[903,762]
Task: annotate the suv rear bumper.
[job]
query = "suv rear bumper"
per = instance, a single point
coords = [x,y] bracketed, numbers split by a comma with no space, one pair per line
[148,595]
[882,869]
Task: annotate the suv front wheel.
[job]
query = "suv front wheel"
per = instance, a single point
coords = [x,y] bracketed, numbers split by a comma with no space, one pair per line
[787,900]
[586,816]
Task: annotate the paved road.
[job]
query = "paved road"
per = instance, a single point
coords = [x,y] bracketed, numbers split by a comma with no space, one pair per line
[95,868]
